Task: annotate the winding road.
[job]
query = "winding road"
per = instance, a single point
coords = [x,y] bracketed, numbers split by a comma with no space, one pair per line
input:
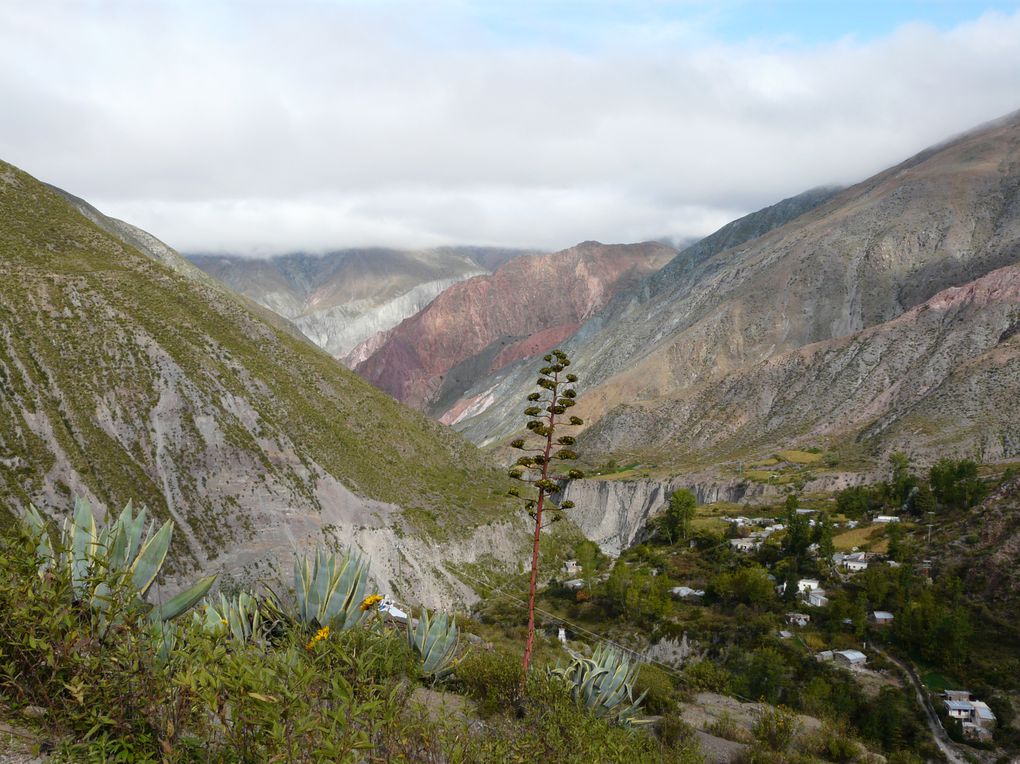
[938,732]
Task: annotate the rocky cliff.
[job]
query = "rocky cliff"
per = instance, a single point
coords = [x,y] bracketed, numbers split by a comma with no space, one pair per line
[125,374]
[476,327]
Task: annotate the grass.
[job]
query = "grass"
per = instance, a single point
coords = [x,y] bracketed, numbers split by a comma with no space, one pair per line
[799,457]
[936,681]
[871,536]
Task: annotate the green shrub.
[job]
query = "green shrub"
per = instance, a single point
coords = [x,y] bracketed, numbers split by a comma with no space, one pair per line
[706,676]
[658,688]
[776,727]
[493,679]
[673,731]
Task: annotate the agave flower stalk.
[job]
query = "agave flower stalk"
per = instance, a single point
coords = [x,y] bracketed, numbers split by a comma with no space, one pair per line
[547,412]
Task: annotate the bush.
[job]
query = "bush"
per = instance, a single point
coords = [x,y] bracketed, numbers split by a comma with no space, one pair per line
[492,679]
[93,675]
[706,676]
[661,697]
[673,731]
[776,727]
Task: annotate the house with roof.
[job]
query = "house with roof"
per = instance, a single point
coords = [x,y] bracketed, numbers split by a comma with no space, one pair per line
[887,519]
[817,598]
[975,717]
[882,618]
[571,568]
[745,545]
[807,584]
[574,585]
[850,657]
[798,619]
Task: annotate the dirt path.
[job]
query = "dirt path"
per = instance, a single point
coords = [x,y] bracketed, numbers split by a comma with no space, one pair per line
[938,732]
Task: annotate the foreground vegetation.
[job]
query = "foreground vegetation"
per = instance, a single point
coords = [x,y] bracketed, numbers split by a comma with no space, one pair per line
[305,685]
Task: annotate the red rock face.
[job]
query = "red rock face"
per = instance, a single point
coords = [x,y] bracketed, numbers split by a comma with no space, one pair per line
[532,303]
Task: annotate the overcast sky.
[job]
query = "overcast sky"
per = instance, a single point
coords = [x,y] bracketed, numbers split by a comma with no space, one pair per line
[267,127]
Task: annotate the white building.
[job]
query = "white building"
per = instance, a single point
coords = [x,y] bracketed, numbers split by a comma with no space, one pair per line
[850,657]
[685,592]
[817,598]
[798,619]
[745,545]
[882,618]
[575,584]
[887,519]
[807,584]
[571,568]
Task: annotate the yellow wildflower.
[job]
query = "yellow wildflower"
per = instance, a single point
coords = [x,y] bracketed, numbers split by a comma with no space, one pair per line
[370,601]
[320,635]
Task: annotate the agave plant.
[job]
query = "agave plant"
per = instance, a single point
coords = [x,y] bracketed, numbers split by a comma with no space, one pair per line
[118,551]
[240,616]
[329,591]
[434,642]
[604,684]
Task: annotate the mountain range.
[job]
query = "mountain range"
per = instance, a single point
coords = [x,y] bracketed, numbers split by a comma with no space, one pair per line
[341,298]
[883,315]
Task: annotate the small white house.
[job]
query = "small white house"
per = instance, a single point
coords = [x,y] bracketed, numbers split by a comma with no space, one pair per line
[745,545]
[807,584]
[571,568]
[574,584]
[887,519]
[882,618]
[854,566]
[850,657]
[686,592]
[817,598]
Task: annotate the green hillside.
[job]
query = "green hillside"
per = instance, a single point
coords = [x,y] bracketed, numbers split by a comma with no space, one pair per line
[124,378]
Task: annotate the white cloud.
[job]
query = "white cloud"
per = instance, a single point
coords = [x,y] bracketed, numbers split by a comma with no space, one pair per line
[314,126]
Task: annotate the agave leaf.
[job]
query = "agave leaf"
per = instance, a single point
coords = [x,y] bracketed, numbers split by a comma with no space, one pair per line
[83,538]
[150,558]
[177,604]
[133,531]
[44,548]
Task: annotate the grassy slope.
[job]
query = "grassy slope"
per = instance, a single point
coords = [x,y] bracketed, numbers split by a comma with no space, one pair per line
[84,319]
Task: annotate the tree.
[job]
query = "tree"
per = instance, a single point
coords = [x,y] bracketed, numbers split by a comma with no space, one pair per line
[822,535]
[902,481]
[546,411]
[750,585]
[956,483]
[798,531]
[680,512]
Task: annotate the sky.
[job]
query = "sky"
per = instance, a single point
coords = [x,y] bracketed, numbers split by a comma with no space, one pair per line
[258,128]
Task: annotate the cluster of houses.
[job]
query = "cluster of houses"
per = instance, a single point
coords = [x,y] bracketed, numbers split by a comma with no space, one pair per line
[763,528]
[976,717]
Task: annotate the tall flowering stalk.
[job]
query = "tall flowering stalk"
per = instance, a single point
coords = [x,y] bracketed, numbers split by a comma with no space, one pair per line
[546,412]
